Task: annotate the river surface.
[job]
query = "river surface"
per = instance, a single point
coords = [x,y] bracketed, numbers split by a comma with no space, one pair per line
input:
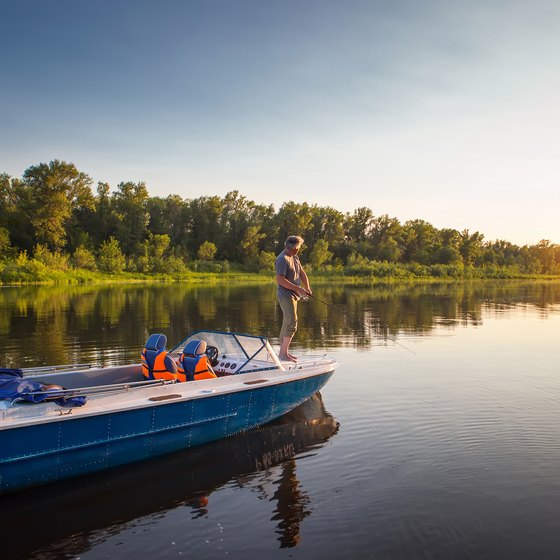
[437,438]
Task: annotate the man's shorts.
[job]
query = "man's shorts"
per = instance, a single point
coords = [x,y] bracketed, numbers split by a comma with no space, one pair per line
[289,313]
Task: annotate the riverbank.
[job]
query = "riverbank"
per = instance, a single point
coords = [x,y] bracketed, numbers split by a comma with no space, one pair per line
[35,273]
[78,276]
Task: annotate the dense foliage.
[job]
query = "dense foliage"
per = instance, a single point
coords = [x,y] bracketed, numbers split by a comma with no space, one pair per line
[51,219]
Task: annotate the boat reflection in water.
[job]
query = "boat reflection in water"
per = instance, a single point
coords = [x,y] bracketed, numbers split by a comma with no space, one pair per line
[62,519]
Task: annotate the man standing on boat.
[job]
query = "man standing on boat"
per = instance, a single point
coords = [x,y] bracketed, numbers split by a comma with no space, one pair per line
[292,284]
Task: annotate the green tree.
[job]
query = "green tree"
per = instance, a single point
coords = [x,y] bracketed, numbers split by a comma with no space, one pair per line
[470,246]
[327,224]
[54,190]
[420,239]
[7,202]
[207,251]
[263,217]
[6,249]
[233,224]
[156,249]
[84,258]
[320,254]
[111,258]
[200,221]
[249,246]
[446,247]
[130,204]
[245,228]
[447,255]
[265,261]
[547,254]
[449,237]
[15,203]
[167,218]
[359,224]
[54,260]
[529,261]
[292,219]
[501,253]
[104,222]
[386,238]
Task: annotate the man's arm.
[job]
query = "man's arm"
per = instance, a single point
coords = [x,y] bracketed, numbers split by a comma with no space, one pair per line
[305,281]
[285,283]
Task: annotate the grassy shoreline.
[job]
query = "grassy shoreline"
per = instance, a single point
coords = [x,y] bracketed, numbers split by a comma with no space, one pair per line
[400,275]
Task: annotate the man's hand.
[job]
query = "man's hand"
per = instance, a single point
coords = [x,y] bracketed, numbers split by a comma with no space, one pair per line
[307,291]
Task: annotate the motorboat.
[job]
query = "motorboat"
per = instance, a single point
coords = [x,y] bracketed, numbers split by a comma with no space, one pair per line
[125,417]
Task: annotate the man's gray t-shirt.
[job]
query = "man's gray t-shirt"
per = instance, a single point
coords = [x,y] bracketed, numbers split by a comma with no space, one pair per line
[290,267]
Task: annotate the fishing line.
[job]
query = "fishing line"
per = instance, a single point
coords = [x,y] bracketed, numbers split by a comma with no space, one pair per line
[376,330]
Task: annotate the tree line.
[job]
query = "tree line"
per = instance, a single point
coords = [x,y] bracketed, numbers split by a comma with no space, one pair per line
[55,215]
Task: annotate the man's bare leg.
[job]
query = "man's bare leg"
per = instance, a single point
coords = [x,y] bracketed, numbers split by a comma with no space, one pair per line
[284,354]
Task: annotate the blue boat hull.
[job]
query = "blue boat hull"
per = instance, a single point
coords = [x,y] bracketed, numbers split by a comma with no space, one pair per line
[48,452]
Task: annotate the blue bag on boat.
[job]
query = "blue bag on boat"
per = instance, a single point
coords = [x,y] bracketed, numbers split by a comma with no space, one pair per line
[14,386]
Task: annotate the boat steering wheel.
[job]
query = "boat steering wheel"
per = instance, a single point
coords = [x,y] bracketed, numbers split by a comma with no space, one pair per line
[212,355]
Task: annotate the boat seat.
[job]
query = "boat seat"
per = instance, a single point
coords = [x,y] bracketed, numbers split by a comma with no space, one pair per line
[156,362]
[194,363]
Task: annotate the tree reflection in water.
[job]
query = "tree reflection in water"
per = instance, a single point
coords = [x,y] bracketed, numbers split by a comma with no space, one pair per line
[109,325]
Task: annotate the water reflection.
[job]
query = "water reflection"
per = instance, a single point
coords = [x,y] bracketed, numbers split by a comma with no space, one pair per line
[107,325]
[292,508]
[419,469]
[65,519]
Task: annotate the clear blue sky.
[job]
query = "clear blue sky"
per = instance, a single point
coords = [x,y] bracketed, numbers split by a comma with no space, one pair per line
[445,111]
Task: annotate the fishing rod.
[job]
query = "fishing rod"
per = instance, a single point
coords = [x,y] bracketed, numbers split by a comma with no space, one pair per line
[378,332]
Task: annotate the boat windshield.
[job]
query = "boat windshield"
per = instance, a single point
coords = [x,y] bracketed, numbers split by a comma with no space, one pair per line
[249,353]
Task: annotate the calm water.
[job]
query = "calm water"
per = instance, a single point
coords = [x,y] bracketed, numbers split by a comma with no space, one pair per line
[452,451]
